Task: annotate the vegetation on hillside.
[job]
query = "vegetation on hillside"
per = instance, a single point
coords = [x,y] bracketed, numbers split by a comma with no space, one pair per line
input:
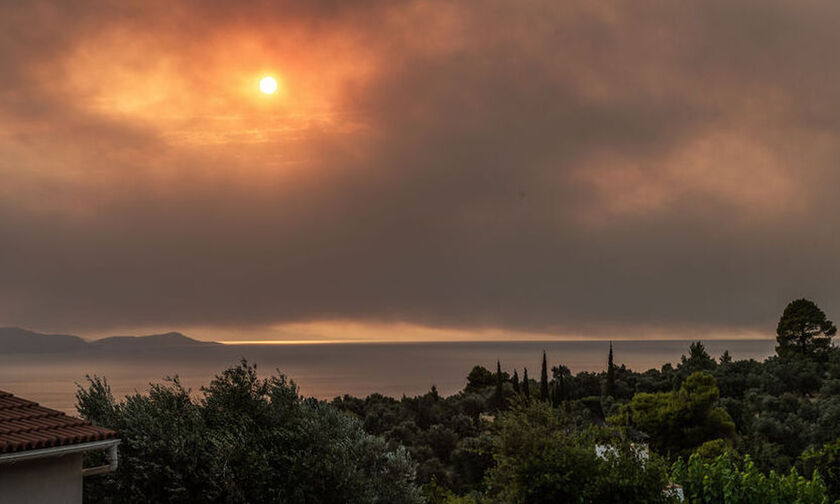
[723,430]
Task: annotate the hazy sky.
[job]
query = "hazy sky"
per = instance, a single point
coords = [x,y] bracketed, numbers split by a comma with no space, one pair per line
[427,168]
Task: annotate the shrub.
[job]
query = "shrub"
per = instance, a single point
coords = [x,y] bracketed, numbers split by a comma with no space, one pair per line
[730,480]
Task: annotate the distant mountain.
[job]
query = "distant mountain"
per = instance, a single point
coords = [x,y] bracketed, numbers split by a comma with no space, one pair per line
[17,340]
[167,340]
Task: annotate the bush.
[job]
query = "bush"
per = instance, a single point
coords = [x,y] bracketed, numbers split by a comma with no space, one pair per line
[825,461]
[729,480]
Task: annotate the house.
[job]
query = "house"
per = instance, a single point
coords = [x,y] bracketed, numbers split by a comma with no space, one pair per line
[41,453]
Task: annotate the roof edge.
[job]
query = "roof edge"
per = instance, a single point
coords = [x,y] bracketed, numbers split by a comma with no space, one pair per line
[57,451]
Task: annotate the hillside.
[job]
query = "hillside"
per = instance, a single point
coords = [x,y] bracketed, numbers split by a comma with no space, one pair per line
[166,340]
[16,340]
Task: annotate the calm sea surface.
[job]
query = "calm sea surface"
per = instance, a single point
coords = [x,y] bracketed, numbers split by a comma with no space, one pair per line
[329,370]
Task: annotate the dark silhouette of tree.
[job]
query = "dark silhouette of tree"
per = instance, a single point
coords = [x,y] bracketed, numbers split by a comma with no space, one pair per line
[698,360]
[544,380]
[561,383]
[697,352]
[479,378]
[515,382]
[499,397]
[610,389]
[526,385]
[803,330]
[556,394]
[563,378]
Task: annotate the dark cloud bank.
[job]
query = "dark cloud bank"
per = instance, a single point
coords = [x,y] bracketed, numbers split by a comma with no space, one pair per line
[546,166]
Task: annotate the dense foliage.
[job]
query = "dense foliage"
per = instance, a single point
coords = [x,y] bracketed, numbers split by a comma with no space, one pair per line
[539,457]
[679,421]
[782,412]
[724,430]
[246,440]
[729,480]
[826,462]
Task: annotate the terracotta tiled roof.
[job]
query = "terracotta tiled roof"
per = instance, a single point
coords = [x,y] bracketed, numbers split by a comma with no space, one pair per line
[24,425]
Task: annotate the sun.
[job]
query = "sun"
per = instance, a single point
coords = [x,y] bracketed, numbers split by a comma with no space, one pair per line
[268,85]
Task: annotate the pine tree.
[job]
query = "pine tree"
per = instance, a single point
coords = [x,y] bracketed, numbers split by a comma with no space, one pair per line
[515,381]
[526,386]
[804,330]
[544,380]
[499,398]
[610,389]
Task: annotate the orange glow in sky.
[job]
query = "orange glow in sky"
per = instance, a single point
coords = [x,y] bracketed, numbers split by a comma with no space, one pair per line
[421,170]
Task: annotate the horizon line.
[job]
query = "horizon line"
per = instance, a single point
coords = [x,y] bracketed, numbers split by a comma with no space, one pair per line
[374,341]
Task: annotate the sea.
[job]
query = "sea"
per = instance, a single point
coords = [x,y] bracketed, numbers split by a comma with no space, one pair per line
[328,370]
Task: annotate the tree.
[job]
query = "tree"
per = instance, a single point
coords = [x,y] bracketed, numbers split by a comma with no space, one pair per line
[544,380]
[515,381]
[610,389]
[499,397]
[526,385]
[698,359]
[479,378]
[243,439]
[563,377]
[804,330]
[556,394]
[677,422]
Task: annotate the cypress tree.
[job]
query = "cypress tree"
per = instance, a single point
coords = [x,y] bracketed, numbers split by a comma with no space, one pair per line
[561,383]
[515,381]
[544,380]
[526,386]
[610,391]
[500,400]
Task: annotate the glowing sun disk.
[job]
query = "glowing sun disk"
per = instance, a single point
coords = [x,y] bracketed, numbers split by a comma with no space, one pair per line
[268,85]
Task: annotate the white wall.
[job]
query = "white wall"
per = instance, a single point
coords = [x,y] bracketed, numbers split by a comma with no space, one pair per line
[50,480]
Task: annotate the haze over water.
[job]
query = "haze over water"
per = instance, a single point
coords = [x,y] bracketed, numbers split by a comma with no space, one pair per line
[329,370]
